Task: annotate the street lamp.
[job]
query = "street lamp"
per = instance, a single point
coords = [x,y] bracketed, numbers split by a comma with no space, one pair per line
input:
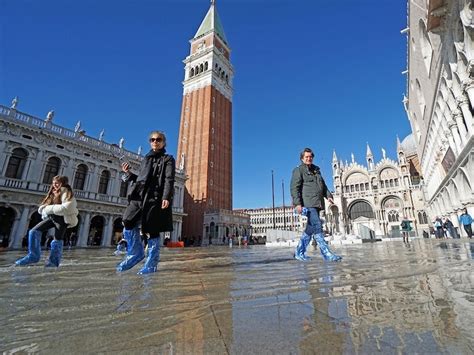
[273,201]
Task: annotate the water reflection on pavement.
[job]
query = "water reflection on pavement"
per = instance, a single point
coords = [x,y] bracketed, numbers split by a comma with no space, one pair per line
[383,297]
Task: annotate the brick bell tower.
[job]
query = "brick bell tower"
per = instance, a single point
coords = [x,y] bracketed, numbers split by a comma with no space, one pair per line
[205,132]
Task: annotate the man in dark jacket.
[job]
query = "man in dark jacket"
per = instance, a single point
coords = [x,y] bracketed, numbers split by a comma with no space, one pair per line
[149,204]
[308,191]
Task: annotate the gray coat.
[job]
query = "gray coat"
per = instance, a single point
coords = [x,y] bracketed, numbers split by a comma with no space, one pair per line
[308,188]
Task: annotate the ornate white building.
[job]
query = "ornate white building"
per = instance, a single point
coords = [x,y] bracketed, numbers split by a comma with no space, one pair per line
[440,100]
[33,150]
[281,218]
[371,200]
[220,225]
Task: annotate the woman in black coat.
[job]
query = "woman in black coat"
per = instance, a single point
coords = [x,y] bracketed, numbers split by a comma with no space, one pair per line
[149,204]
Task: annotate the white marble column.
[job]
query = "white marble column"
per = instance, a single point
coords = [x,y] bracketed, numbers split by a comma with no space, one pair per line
[449,135]
[36,169]
[93,185]
[458,118]
[84,231]
[470,91]
[455,134]
[463,103]
[20,228]
[109,227]
[67,169]
[3,157]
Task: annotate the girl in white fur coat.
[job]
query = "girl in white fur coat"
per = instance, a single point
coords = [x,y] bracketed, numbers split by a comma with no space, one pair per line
[59,211]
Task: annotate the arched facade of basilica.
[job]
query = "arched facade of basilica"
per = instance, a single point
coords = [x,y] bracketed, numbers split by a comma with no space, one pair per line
[371,200]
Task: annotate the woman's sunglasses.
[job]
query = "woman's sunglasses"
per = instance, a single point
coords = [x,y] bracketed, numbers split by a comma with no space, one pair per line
[158,140]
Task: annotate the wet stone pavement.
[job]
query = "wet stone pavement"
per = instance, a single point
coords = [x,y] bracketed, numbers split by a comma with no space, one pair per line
[382,298]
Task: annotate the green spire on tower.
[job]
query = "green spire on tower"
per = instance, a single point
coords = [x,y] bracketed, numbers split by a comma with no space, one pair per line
[211,22]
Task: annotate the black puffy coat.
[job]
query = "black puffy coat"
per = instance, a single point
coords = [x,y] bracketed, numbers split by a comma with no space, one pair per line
[153,184]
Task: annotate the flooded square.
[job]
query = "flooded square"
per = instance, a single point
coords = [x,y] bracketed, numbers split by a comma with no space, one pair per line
[386,297]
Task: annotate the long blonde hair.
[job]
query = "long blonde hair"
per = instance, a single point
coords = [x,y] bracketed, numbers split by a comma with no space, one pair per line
[51,198]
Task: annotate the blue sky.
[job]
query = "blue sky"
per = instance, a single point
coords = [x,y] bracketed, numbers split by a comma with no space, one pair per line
[322,74]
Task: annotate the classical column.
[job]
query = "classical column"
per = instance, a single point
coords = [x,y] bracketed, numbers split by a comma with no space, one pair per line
[107,237]
[117,183]
[469,87]
[112,184]
[67,169]
[342,224]
[449,135]
[3,157]
[455,133]
[84,231]
[463,103]
[93,186]
[458,117]
[20,228]
[34,173]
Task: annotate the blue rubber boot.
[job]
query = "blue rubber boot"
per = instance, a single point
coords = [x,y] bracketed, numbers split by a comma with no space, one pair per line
[135,252]
[153,257]
[121,248]
[301,248]
[56,253]
[34,249]
[323,246]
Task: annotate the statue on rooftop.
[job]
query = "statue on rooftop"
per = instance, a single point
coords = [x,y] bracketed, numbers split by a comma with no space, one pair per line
[14,102]
[139,150]
[78,126]
[121,142]
[101,135]
[49,116]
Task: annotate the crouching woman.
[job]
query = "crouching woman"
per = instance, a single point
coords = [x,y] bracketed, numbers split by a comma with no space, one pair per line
[59,211]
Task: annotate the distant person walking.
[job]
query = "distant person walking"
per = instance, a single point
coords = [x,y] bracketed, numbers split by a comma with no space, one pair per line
[406,228]
[59,211]
[149,204]
[308,191]
[466,220]
[449,227]
[438,228]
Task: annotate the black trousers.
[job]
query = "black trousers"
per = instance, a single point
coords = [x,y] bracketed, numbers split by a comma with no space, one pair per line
[53,221]
[468,229]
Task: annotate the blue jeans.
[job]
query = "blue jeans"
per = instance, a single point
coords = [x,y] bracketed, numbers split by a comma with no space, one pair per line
[314,225]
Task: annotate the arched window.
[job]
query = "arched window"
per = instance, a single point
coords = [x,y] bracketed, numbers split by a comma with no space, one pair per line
[104,182]
[393,216]
[361,209]
[16,164]
[192,72]
[206,66]
[201,68]
[123,189]
[80,177]
[51,170]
